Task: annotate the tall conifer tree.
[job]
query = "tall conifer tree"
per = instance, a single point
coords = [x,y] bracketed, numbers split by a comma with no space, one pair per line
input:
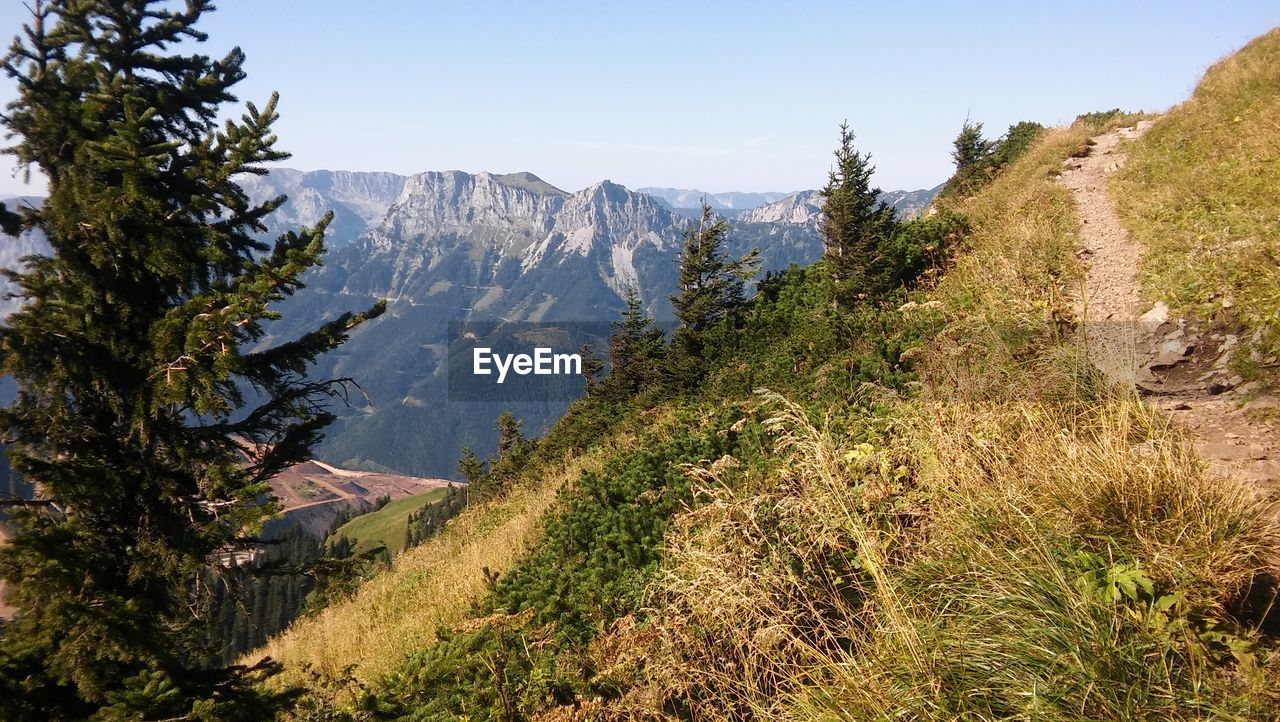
[510,439]
[710,284]
[636,349]
[146,416]
[470,465]
[592,369]
[711,288]
[857,227]
[973,156]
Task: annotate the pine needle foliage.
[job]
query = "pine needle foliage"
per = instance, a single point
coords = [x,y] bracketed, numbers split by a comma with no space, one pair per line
[711,290]
[857,227]
[636,351]
[147,414]
[978,159]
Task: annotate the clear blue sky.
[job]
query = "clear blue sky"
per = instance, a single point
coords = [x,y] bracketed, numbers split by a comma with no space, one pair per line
[717,96]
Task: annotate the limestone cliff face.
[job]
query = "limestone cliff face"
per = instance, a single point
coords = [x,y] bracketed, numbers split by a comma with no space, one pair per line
[799,209]
[358,200]
[453,227]
[486,247]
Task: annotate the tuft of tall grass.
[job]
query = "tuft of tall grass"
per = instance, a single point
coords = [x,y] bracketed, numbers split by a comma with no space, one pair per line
[1077,562]
[765,576]
[985,561]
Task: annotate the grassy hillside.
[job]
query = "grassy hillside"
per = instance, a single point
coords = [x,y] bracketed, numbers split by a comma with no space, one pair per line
[1201,191]
[386,526]
[925,506]
[430,585]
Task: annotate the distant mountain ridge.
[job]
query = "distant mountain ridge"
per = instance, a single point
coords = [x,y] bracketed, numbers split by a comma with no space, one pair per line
[357,199]
[446,246]
[796,205]
[910,204]
[677,198]
[799,209]
[455,246]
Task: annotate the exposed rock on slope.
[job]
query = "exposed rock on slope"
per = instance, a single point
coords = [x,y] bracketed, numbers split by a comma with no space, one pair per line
[801,208]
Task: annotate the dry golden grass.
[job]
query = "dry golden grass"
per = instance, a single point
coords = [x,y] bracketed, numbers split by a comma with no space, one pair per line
[433,585]
[1201,191]
[752,590]
[986,615]
[1009,289]
[1109,470]
[397,612]
[964,598]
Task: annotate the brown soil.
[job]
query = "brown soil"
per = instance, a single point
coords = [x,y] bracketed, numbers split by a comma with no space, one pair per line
[1178,365]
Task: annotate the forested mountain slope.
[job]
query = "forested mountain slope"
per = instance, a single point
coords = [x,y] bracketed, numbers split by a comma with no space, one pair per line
[458,247]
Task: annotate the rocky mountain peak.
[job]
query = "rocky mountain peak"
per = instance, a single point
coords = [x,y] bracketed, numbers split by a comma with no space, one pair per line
[799,209]
[485,208]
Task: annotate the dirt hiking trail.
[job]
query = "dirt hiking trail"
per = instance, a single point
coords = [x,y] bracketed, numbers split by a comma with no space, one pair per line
[1178,366]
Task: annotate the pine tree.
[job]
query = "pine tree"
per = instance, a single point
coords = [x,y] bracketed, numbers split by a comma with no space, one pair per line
[972,155]
[510,439]
[711,285]
[1015,143]
[710,289]
[636,350]
[970,150]
[470,466]
[149,427]
[857,227]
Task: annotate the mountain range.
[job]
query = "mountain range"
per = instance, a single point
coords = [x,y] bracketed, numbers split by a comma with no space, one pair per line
[450,246]
[744,206]
[685,198]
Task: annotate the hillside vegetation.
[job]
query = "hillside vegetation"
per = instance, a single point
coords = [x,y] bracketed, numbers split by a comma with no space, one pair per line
[1200,191]
[385,527]
[925,504]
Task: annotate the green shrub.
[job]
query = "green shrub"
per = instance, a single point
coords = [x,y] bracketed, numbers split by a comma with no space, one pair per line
[1099,118]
